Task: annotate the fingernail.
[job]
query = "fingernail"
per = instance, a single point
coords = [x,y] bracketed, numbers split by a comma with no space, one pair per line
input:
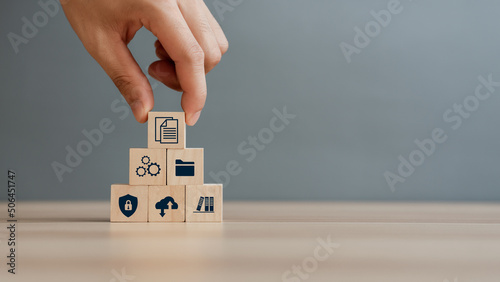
[193,118]
[138,110]
[153,75]
[160,69]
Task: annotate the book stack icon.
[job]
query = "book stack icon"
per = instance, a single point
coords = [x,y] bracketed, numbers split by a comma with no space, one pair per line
[166,179]
[209,205]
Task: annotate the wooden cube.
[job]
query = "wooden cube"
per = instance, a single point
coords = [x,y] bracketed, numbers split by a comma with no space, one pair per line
[204,203]
[167,203]
[148,166]
[129,203]
[166,130]
[185,166]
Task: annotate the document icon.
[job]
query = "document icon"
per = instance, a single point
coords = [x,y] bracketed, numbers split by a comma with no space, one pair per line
[166,130]
[184,168]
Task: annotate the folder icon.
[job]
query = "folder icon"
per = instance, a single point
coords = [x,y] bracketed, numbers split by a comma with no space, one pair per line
[184,168]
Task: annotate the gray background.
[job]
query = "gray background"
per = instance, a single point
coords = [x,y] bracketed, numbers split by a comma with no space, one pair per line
[353,119]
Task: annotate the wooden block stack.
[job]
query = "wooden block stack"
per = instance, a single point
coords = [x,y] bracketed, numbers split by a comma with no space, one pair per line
[166,179]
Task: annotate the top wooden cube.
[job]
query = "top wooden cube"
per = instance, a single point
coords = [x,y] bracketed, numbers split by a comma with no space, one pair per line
[166,130]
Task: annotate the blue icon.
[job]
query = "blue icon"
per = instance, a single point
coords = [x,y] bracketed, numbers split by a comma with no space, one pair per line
[128,205]
[209,205]
[167,130]
[149,167]
[184,168]
[165,204]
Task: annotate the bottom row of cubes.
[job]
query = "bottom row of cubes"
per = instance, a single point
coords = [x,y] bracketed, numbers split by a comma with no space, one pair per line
[171,203]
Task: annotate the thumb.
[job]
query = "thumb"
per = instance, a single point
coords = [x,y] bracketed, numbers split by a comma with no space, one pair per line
[117,61]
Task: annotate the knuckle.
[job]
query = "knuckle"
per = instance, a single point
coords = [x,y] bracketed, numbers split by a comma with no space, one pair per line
[213,57]
[224,46]
[194,54]
[203,94]
[204,27]
[125,85]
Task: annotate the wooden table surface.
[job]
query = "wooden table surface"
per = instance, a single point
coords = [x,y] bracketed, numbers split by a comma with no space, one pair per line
[260,241]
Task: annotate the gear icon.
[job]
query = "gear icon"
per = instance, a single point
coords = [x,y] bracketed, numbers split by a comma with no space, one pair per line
[145,157]
[154,169]
[141,171]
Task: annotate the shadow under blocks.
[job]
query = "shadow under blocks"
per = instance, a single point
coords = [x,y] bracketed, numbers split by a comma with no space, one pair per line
[166,179]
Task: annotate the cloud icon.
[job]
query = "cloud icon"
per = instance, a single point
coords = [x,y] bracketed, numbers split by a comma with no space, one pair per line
[166,203]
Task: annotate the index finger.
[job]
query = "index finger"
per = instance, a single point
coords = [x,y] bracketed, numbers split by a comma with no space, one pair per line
[169,26]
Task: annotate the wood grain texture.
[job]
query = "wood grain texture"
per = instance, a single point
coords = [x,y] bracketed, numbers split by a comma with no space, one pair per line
[157,194]
[140,192]
[260,241]
[147,166]
[154,122]
[186,155]
[204,203]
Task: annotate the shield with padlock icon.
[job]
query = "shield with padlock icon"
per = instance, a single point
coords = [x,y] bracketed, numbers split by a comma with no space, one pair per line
[128,205]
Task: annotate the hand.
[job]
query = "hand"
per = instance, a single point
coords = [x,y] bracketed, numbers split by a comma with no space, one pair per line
[190,43]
